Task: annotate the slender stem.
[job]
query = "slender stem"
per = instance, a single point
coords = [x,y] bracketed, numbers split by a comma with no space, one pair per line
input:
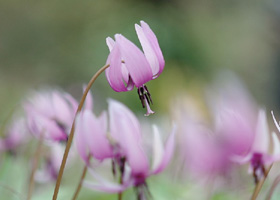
[70,138]
[120,193]
[274,185]
[120,196]
[81,180]
[121,176]
[35,166]
[260,184]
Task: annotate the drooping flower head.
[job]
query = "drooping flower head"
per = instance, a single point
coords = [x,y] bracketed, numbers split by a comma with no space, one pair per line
[259,155]
[130,67]
[50,113]
[123,146]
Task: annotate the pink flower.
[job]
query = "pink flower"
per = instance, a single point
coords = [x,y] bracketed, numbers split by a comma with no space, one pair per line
[259,155]
[50,113]
[202,150]
[130,67]
[209,149]
[16,135]
[123,146]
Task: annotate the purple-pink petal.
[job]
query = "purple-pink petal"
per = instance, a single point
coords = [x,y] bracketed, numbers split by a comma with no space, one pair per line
[114,72]
[104,185]
[62,110]
[151,48]
[80,138]
[135,61]
[125,129]
[167,154]
[96,130]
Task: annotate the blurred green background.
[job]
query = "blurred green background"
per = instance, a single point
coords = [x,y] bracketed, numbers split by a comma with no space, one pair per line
[62,44]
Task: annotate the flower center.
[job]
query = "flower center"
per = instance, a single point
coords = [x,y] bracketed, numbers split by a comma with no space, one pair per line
[258,166]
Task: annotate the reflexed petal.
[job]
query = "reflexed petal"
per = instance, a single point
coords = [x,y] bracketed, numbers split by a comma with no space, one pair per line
[57,151]
[125,129]
[42,103]
[135,61]
[163,158]
[158,148]
[275,122]
[80,138]
[114,72]
[151,48]
[95,135]
[148,50]
[269,159]
[110,43]
[73,103]
[241,159]
[276,144]
[237,133]
[105,187]
[49,128]
[103,184]
[61,108]
[119,111]
[261,141]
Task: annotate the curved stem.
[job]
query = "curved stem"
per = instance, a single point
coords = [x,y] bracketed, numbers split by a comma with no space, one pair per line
[260,184]
[274,185]
[70,138]
[35,166]
[81,180]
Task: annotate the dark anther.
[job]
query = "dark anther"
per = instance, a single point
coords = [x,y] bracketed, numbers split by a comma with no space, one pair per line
[141,97]
[144,95]
[150,97]
[122,165]
[113,168]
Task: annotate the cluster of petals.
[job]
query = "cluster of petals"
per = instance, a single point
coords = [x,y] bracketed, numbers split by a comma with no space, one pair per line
[129,66]
[49,116]
[16,134]
[259,154]
[50,113]
[239,134]
[123,139]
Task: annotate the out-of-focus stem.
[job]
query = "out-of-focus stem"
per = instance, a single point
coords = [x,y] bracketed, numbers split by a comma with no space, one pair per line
[260,184]
[120,193]
[274,185]
[81,180]
[35,166]
[70,138]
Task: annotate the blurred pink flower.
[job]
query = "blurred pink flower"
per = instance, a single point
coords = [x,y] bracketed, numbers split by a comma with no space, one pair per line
[123,146]
[50,164]
[50,113]
[129,67]
[16,134]
[210,149]
[203,152]
[259,155]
